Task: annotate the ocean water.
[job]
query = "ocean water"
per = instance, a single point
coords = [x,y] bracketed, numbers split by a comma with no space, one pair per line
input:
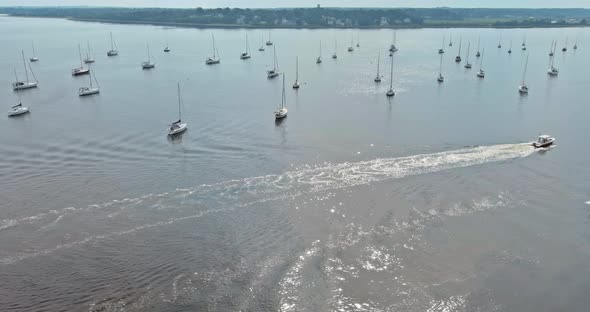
[428,201]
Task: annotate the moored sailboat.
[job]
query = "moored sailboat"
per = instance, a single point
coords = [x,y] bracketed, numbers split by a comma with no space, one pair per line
[178,126]
[296,83]
[148,64]
[281,111]
[21,85]
[114,50]
[91,89]
[275,69]
[215,58]
[523,88]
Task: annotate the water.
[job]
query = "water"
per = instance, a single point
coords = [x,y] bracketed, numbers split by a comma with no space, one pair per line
[430,201]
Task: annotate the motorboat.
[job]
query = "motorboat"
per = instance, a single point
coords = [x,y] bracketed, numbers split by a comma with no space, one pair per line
[18,110]
[544,141]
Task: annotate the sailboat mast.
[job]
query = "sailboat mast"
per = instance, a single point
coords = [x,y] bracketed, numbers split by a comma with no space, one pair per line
[90,77]
[440,65]
[320,48]
[276,65]
[525,67]
[460,39]
[391,76]
[34,52]
[378,59]
[468,49]
[296,68]
[481,62]
[179,112]
[80,55]
[213,37]
[25,66]
[112,44]
[284,98]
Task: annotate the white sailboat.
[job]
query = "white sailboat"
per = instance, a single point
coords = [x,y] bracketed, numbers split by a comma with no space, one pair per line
[78,71]
[88,59]
[18,109]
[275,69]
[510,49]
[91,89]
[481,73]
[34,58]
[451,41]
[524,43]
[335,55]
[523,88]
[178,126]
[551,48]
[467,64]
[215,58]
[246,55]
[113,51]
[378,77]
[442,48]
[393,47]
[167,47]
[552,71]
[21,85]
[440,77]
[500,42]
[261,49]
[458,57]
[478,54]
[296,83]
[148,64]
[390,92]
[281,111]
[269,42]
[319,59]
[576,44]
[351,47]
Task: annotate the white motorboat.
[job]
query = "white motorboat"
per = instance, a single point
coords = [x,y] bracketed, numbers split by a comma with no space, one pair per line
[148,64]
[281,111]
[543,141]
[22,85]
[113,51]
[178,126]
[215,58]
[275,69]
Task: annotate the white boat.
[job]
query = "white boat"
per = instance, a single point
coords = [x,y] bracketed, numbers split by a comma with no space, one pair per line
[478,54]
[261,49]
[78,71]
[113,51]
[458,57]
[390,92]
[91,89]
[22,85]
[481,73]
[442,49]
[167,47]
[19,109]
[178,126]
[552,71]
[451,41]
[319,59]
[335,56]
[378,76]
[88,59]
[215,58]
[551,48]
[500,42]
[269,42]
[543,141]
[467,64]
[246,55]
[393,47]
[275,69]
[440,77]
[148,64]
[351,47]
[296,83]
[576,45]
[34,58]
[523,88]
[281,111]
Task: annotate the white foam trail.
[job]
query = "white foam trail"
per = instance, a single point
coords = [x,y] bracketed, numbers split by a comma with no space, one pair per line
[587,203]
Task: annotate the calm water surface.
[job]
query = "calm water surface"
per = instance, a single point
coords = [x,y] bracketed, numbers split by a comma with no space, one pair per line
[429,201]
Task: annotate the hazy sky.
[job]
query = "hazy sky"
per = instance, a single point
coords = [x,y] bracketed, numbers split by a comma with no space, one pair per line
[308,3]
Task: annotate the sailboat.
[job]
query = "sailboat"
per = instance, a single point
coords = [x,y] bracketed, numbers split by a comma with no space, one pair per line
[167,47]
[500,42]
[351,47]
[451,41]
[296,83]
[275,69]
[552,71]
[481,73]
[261,49]
[576,44]
[378,77]
[335,56]
[246,55]
[178,126]
[34,58]
[113,51]
[478,54]
[281,111]
[18,109]
[393,47]
[91,89]
[524,43]
[510,49]
[390,92]
[458,57]
[358,40]
[440,76]
[565,46]
[215,59]
[148,64]
[442,49]
[467,64]
[523,88]
[88,59]
[551,48]
[319,59]
[269,42]
[80,70]
[21,85]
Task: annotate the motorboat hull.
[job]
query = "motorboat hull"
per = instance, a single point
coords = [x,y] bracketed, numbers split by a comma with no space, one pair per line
[244,56]
[544,144]
[24,85]
[177,130]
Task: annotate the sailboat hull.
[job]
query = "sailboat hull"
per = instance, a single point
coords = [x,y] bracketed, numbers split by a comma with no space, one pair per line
[80,71]
[88,91]
[18,111]
[24,85]
[112,53]
[34,59]
[147,65]
[180,128]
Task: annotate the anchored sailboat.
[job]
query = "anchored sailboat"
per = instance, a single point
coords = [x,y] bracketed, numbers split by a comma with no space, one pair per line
[113,51]
[281,112]
[351,47]
[523,88]
[80,70]
[148,64]
[510,49]
[442,48]
[18,109]
[478,54]
[390,92]
[34,58]
[335,55]
[481,73]
[269,42]
[552,71]
[467,64]
[246,55]
[21,85]
[440,76]
[319,59]
[91,89]
[178,126]
[275,69]
[215,58]
[296,83]
[393,47]
[261,49]
[88,59]
[458,57]
[378,77]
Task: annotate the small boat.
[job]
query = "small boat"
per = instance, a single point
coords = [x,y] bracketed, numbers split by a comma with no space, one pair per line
[378,77]
[269,42]
[478,54]
[543,141]
[458,57]
[261,49]
[451,41]
[178,126]
[22,85]
[390,92]
[510,49]
[358,41]
[19,109]
[91,89]
[335,56]
[523,88]
[552,71]
[319,59]
[34,58]
[481,73]
[88,59]
[148,64]
[167,48]
[215,59]
[351,47]
[113,51]
[275,69]
[500,42]
[246,55]
[467,64]
[565,46]
[551,49]
[524,44]
[281,112]
[440,77]
[296,83]
[78,71]
[576,45]
[442,50]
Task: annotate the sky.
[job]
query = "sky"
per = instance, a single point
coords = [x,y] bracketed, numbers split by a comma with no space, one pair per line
[307,3]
